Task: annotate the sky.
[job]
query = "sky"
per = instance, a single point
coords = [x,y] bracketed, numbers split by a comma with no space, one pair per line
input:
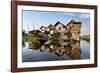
[35,19]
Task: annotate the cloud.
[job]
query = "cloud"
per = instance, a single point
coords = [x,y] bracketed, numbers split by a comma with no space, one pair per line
[69,14]
[84,16]
[80,15]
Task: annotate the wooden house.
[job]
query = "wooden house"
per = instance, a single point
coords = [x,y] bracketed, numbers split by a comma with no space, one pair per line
[42,29]
[75,29]
[59,27]
[51,27]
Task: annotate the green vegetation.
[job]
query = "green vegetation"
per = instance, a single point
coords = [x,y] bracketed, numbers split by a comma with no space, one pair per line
[33,39]
[86,37]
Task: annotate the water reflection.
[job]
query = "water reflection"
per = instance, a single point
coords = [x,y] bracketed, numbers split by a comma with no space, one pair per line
[59,48]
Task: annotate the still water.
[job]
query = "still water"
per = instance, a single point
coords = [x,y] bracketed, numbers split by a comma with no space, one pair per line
[58,51]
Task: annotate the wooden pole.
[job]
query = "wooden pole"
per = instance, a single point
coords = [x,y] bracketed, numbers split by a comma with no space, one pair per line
[28,29]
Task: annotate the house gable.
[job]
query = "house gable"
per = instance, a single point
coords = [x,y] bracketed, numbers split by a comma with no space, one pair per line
[59,23]
[73,22]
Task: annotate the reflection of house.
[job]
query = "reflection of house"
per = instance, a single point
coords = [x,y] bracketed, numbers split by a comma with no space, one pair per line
[75,51]
[60,48]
